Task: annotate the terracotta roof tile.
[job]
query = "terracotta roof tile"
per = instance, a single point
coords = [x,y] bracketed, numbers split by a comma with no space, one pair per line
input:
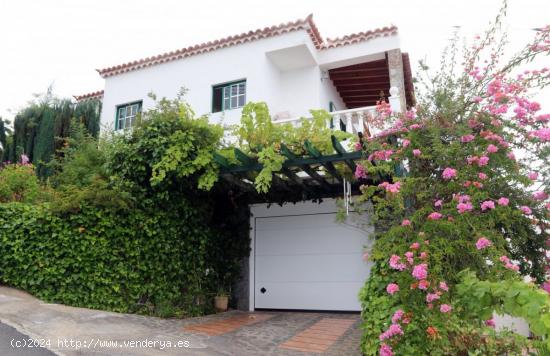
[303,24]
[89,96]
[360,37]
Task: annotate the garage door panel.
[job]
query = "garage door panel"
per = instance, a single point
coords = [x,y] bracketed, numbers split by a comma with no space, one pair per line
[309,296]
[313,268]
[315,238]
[308,262]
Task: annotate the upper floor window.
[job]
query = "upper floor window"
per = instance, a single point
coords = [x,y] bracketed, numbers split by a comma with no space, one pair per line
[126,115]
[228,96]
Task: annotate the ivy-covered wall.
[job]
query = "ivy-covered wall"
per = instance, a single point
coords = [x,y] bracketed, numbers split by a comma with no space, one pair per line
[161,261]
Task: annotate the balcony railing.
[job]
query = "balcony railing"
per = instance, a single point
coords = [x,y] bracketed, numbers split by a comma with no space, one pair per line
[352,120]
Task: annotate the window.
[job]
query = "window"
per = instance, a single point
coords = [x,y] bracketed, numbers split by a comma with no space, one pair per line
[126,115]
[228,96]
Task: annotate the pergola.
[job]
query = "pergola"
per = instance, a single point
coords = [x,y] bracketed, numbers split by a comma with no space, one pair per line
[311,176]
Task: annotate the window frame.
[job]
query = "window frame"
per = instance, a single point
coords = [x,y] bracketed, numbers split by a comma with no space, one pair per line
[226,88]
[139,104]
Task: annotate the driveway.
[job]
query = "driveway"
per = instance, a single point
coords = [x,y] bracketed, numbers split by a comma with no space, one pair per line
[78,331]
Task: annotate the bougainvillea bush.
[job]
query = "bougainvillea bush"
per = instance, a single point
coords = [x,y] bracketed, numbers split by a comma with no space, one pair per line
[464,232]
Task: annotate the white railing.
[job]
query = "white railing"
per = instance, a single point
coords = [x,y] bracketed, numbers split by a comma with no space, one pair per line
[355,120]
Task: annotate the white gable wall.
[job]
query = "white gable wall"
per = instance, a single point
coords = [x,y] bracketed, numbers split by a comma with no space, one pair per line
[266,65]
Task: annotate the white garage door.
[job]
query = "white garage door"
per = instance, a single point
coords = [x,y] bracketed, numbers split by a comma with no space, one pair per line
[308,262]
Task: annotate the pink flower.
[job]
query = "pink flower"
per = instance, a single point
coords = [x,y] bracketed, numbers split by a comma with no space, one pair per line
[24,159]
[386,350]
[405,222]
[472,159]
[445,308]
[360,172]
[449,173]
[540,195]
[477,99]
[464,207]
[434,216]
[543,134]
[430,297]
[511,156]
[443,286]
[420,271]
[483,243]
[423,284]
[492,148]
[533,175]
[487,204]
[396,264]
[546,287]
[438,203]
[423,255]
[392,288]
[467,138]
[503,201]
[394,329]
[397,316]
[406,143]
[415,246]
[490,323]
[417,152]
[504,259]
[482,176]
[526,210]
[483,161]
[358,146]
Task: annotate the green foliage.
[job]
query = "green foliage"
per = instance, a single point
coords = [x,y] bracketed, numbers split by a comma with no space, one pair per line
[18,183]
[259,137]
[513,297]
[102,259]
[41,128]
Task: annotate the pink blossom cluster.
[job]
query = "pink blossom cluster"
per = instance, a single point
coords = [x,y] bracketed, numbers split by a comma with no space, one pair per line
[382,155]
[435,216]
[542,134]
[392,288]
[503,201]
[395,263]
[508,264]
[391,188]
[360,172]
[420,271]
[393,330]
[448,173]
[487,204]
[483,243]
[467,138]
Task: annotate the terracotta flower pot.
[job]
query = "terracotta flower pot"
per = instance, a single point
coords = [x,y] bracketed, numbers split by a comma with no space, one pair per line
[220,302]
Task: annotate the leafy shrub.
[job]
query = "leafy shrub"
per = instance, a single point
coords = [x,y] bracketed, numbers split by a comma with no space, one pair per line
[18,183]
[121,261]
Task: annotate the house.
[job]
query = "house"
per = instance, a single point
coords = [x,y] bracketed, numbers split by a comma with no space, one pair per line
[301,258]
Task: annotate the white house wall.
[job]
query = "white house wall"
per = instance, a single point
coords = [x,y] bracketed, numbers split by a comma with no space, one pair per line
[288,91]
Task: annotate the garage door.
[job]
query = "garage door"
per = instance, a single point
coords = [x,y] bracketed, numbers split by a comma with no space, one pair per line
[308,262]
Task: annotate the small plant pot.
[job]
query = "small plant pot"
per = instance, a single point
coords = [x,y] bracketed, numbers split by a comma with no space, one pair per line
[220,303]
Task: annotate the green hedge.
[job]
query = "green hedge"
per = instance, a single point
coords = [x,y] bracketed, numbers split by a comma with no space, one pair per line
[106,260]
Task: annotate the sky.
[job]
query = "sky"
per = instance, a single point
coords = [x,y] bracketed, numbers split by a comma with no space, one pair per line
[62,42]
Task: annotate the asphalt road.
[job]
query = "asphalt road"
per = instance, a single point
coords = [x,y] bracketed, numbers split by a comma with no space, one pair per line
[12,344]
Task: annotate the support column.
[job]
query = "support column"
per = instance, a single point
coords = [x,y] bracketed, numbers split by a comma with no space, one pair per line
[397,76]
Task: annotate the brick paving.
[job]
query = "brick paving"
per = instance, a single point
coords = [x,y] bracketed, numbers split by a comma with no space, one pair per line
[320,336]
[226,325]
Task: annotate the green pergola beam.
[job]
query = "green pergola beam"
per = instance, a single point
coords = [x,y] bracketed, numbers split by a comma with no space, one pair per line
[327,164]
[306,168]
[340,150]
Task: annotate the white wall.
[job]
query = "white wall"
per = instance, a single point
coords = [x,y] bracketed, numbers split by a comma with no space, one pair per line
[291,91]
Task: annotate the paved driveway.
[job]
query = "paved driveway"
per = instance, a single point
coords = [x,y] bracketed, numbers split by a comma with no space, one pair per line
[77,331]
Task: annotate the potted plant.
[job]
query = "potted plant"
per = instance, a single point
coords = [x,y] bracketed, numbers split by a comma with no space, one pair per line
[221,300]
